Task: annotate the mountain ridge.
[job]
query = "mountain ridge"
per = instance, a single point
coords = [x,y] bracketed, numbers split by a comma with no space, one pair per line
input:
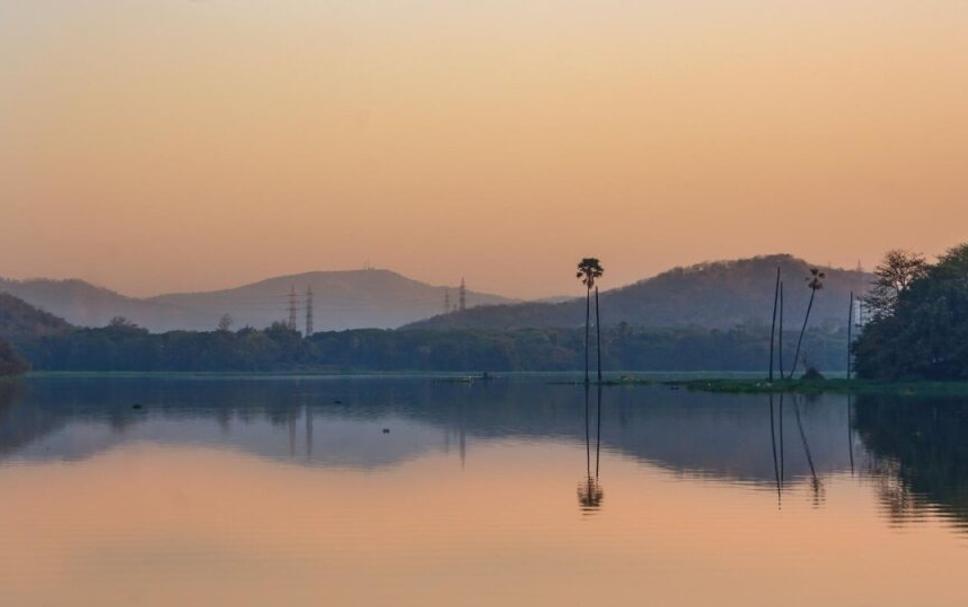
[343,299]
[713,295]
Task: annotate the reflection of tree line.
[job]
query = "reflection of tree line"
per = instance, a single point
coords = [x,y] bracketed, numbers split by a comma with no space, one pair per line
[920,452]
[916,447]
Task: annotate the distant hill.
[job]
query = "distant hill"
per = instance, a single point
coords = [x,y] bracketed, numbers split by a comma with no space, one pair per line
[342,300]
[714,295]
[19,320]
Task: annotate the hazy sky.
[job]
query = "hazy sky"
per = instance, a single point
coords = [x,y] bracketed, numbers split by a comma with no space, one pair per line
[176,144]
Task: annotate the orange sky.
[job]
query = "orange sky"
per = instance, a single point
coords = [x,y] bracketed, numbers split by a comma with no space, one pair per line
[170,145]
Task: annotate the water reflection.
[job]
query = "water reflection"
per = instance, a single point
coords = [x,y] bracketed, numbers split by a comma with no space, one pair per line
[913,448]
[590,492]
[919,453]
[815,482]
[415,492]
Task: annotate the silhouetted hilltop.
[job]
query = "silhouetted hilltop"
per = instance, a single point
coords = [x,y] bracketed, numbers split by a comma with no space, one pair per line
[342,300]
[19,320]
[714,295]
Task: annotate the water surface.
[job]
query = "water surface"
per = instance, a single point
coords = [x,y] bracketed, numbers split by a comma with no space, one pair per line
[413,491]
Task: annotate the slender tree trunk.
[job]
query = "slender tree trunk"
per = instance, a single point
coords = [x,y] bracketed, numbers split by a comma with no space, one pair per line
[598,336]
[780,336]
[806,319]
[850,329]
[776,296]
[588,306]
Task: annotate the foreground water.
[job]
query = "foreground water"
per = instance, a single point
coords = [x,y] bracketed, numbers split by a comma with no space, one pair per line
[412,491]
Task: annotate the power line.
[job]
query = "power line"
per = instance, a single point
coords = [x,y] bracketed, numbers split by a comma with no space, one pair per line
[309,311]
[462,296]
[292,308]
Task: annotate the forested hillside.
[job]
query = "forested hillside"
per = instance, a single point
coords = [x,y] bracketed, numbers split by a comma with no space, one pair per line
[718,295]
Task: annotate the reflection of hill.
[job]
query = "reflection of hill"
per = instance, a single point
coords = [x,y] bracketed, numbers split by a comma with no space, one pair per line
[921,444]
[341,419]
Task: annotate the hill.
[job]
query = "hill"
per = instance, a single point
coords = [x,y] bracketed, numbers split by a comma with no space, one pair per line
[342,300]
[20,321]
[715,295]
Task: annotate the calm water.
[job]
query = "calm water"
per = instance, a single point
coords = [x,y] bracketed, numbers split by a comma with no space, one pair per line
[418,492]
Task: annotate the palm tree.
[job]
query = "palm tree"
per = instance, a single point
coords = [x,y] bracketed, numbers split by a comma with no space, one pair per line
[814,283]
[590,269]
[776,299]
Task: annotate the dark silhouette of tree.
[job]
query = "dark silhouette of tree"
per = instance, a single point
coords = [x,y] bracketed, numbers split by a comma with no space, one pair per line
[776,299]
[924,334]
[891,278]
[589,270]
[814,283]
[779,345]
[10,361]
[120,322]
[225,322]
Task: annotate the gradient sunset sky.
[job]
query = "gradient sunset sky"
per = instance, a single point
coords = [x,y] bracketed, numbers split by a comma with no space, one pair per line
[161,145]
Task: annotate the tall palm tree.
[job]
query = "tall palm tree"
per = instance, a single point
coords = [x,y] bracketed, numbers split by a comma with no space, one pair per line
[589,269]
[776,299]
[814,283]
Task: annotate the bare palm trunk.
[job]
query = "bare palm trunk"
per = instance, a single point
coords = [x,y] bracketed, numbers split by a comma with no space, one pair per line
[588,307]
[850,328]
[780,340]
[776,296]
[598,336]
[806,319]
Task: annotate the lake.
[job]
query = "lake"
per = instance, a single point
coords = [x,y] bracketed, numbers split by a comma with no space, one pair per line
[420,491]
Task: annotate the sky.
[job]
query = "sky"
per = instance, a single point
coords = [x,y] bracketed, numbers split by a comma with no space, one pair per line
[170,145]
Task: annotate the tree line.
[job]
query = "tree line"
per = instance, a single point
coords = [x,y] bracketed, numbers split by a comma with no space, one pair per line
[919,319]
[125,347]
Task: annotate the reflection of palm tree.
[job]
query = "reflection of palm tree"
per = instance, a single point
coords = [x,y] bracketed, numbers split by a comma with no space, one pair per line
[590,495]
[589,269]
[590,492]
[598,431]
[814,283]
[815,482]
[850,437]
[776,468]
[782,450]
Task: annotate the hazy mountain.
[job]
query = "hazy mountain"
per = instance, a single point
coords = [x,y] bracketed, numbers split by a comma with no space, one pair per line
[342,300]
[20,320]
[717,295]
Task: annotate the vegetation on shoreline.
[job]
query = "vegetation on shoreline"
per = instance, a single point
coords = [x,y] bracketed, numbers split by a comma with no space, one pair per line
[920,325]
[124,347]
[806,386]
[11,363]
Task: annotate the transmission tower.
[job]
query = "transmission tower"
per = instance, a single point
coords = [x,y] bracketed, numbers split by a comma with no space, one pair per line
[446,301]
[462,296]
[309,311]
[292,308]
